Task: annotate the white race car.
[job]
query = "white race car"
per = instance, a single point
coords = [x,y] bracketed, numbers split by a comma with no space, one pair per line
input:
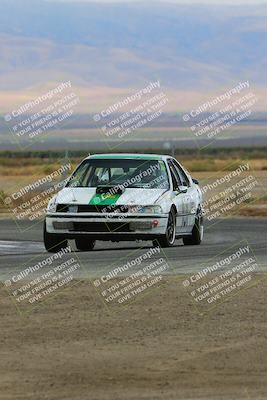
[125,197]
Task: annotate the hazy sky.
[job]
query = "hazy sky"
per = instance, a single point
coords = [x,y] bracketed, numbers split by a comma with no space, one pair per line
[232,2]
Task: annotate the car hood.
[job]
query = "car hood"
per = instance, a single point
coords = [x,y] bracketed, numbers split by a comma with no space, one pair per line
[131,196]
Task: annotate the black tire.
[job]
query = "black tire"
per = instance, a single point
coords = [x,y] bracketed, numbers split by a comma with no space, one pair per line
[168,240]
[53,242]
[197,233]
[84,244]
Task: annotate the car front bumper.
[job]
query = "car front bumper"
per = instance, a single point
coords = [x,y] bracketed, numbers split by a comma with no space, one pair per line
[101,226]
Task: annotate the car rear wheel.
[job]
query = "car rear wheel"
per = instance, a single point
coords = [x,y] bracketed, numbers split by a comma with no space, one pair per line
[197,233]
[84,244]
[53,242]
[168,239]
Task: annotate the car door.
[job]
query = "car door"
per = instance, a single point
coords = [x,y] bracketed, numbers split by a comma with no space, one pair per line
[179,199]
[191,197]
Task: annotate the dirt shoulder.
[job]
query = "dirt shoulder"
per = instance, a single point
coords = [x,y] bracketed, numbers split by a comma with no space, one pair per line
[72,347]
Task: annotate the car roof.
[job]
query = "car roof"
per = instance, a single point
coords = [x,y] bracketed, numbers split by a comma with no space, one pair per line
[129,156]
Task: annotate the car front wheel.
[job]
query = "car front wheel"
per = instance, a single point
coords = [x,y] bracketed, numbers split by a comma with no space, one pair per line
[168,239]
[84,244]
[197,233]
[53,242]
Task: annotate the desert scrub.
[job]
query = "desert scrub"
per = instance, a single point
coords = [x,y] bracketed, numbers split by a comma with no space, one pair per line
[3,196]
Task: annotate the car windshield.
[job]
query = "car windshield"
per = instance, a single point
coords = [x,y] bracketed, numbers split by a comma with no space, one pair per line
[125,173]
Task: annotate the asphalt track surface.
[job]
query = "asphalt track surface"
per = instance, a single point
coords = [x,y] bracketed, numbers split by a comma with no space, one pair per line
[20,244]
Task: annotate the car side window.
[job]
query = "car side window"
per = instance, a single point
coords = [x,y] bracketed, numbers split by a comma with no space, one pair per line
[175,177]
[183,177]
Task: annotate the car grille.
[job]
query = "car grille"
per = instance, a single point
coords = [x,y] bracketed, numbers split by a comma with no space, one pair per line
[101,227]
[88,208]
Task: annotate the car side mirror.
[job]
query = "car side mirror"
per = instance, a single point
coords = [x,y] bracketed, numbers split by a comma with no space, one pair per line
[196,182]
[182,189]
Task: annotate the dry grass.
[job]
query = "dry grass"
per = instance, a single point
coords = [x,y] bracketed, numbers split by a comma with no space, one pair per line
[212,165]
[253,212]
[16,173]
[28,167]
[37,166]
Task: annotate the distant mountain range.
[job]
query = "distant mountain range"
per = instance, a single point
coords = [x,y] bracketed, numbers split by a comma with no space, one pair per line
[193,49]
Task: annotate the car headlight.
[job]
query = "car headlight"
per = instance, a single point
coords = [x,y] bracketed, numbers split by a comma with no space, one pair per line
[150,210]
[52,206]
